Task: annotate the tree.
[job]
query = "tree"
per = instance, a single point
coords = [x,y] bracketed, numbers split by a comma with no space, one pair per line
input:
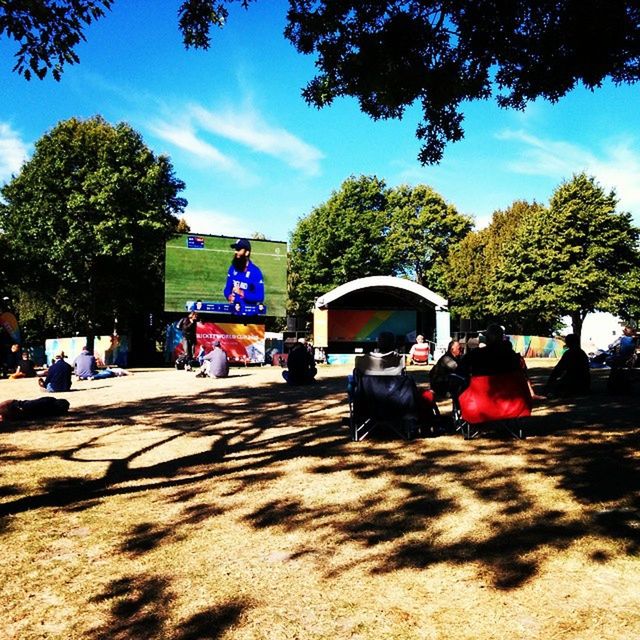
[423,227]
[339,241]
[570,260]
[48,31]
[86,221]
[472,269]
[183,226]
[391,54]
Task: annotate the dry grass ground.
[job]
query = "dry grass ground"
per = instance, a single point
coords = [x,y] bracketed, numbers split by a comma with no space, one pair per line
[165,506]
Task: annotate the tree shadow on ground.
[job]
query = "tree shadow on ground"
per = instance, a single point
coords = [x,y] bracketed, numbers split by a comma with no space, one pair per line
[140,608]
[587,448]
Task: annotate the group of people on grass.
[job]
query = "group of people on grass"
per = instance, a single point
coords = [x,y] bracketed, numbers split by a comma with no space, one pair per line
[492,358]
[58,377]
[448,377]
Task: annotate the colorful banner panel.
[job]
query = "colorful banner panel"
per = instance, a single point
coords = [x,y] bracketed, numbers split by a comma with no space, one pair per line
[242,342]
[9,326]
[366,325]
[537,346]
[108,350]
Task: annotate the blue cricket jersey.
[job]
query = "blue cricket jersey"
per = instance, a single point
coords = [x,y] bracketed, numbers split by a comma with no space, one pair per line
[250,283]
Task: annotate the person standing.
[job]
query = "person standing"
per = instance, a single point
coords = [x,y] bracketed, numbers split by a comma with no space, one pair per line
[189,326]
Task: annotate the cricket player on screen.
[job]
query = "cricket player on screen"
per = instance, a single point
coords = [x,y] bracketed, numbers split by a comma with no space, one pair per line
[245,284]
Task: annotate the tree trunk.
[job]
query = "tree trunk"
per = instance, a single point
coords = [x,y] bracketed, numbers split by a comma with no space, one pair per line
[577,318]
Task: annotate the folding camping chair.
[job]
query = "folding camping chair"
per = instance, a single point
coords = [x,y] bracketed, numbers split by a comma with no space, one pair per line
[502,398]
[621,374]
[377,401]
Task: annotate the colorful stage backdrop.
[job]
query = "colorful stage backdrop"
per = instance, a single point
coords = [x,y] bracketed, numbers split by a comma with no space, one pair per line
[242,342]
[365,325]
[108,350]
[537,346]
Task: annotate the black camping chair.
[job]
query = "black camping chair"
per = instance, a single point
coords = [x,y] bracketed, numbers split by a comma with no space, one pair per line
[621,374]
[378,401]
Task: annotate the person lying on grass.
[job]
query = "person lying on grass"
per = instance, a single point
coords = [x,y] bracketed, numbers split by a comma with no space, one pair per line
[31,409]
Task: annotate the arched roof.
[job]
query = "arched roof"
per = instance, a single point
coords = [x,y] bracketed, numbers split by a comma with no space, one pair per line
[387,283]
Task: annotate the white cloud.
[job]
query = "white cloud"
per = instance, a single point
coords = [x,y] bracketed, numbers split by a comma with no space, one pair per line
[182,136]
[13,152]
[214,222]
[250,129]
[192,128]
[616,167]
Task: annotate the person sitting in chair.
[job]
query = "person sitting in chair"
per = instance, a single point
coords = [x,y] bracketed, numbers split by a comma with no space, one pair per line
[419,353]
[440,374]
[385,361]
[497,357]
[623,348]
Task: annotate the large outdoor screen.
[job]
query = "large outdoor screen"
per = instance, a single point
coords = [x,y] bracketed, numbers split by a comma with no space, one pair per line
[218,274]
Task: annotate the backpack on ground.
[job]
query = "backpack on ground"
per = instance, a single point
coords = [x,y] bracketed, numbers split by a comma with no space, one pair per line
[181,362]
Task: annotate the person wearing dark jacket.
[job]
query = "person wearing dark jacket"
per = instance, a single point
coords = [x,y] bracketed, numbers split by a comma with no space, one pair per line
[188,327]
[58,377]
[26,368]
[301,367]
[571,375]
[440,374]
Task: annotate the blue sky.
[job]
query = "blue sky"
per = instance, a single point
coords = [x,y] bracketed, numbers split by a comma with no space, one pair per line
[256,158]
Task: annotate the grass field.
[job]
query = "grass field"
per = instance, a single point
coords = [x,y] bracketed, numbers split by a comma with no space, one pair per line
[201,274]
[175,508]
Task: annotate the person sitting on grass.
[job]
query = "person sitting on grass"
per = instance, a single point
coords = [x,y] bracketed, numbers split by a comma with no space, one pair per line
[301,367]
[86,367]
[58,378]
[571,376]
[26,368]
[215,364]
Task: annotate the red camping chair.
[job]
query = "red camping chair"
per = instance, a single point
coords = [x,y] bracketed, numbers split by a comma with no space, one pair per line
[501,398]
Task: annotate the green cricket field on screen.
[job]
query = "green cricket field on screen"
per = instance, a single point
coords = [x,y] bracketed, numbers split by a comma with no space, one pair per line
[196,275]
